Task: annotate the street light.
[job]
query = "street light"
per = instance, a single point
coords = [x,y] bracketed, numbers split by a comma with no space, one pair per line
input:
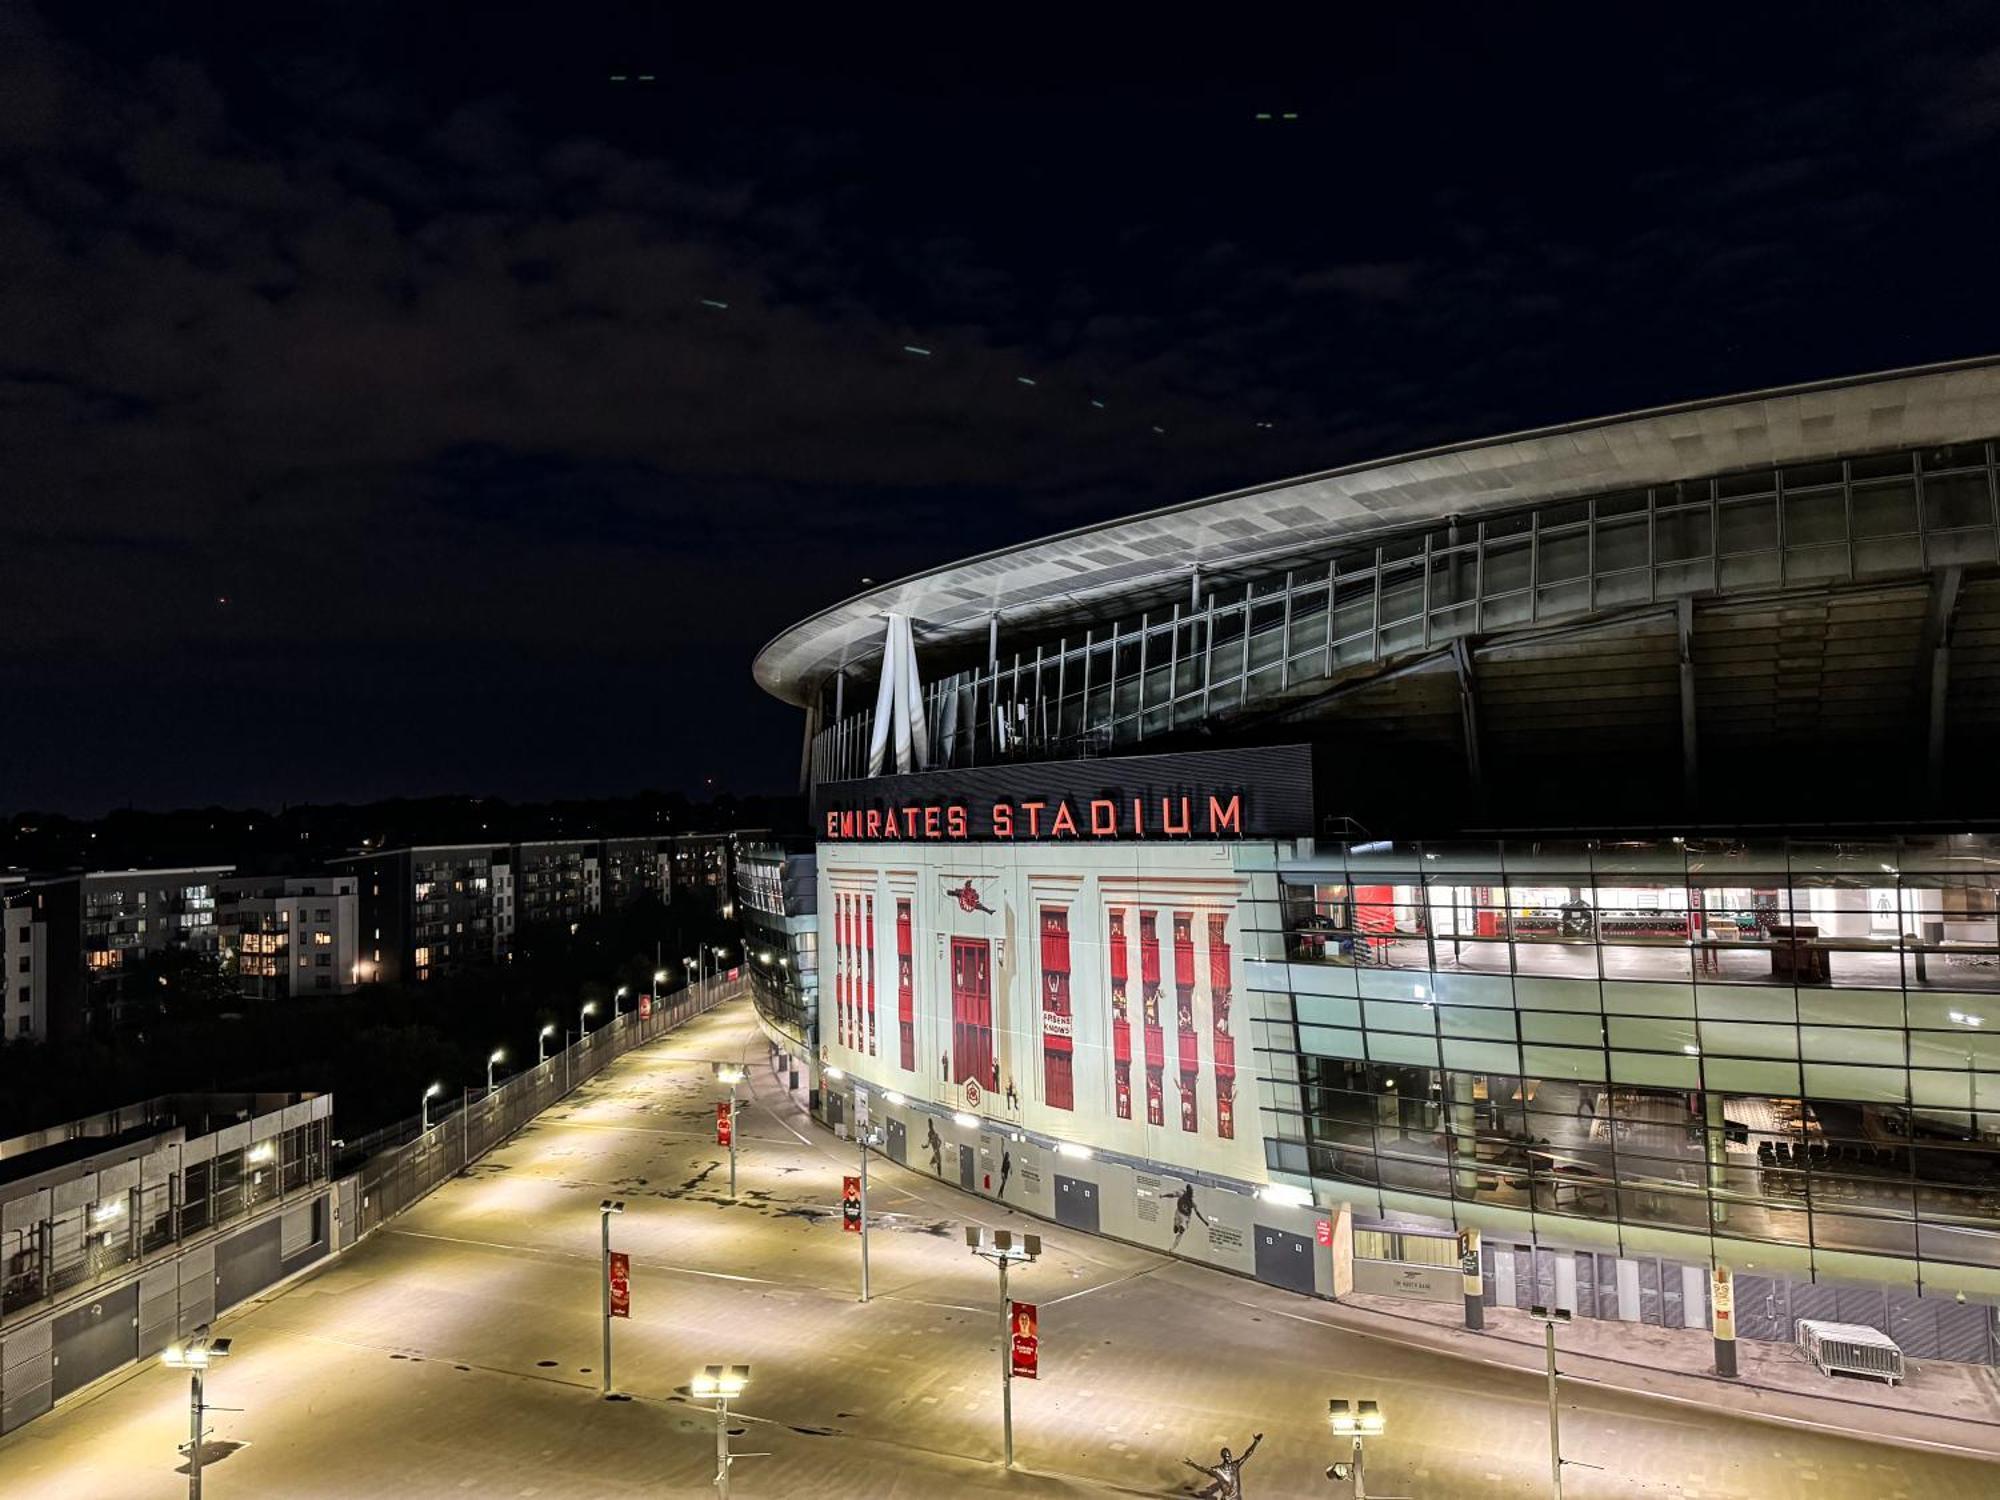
[583,1016]
[1001,1247]
[659,984]
[1363,1420]
[499,1056]
[1549,1317]
[194,1355]
[623,991]
[429,1094]
[718,1383]
[865,1136]
[542,1043]
[605,1210]
[731,1075]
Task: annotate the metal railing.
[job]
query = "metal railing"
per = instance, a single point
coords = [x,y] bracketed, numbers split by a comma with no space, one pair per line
[400,1177]
[1351,610]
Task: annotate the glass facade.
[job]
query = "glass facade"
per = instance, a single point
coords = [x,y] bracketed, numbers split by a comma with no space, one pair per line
[1783,1040]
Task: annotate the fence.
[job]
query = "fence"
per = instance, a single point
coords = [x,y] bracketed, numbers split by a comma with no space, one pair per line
[398,1178]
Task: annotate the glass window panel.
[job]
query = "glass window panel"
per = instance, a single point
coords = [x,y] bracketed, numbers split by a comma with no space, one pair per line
[1953,456]
[1957,500]
[1818,516]
[1875,465]
[1757,482]
[1682,536]
[1748,526]
[1622,544]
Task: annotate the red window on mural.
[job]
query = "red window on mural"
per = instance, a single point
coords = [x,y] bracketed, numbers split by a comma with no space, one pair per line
[1224,1043]
[840,962]
[868,973]
[906,999]
[1058,1028]
[1190,1052]
[1149,997]
[1121,1019]
[972,1013]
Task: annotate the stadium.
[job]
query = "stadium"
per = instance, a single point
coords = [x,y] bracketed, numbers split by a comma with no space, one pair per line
[1583,837]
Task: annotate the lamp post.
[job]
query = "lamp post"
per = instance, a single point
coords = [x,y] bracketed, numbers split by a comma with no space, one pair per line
[583,1020]
[1364,1420]
[866,1137]
[499,1056]
[1549,1318]
[605,1210]
[194,1356]
[659,986]
[731,1075]
[542,1043]
[429,1094]
[623,991]
[718,1383]
[1002,1248]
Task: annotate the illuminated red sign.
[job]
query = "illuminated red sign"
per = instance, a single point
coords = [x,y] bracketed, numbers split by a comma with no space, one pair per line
[850,1204]
[1323,1231]
[1026,1324]
[621,1284]
[722,1123]
[1210,815]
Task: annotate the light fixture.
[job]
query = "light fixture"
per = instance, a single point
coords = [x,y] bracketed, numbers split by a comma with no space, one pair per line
[195,1353]
[970,1122]
[728,1073]
[893,1097]
[835,1073]
[261,1152]
[719,1381]
[1287,1194]
[1071,1148]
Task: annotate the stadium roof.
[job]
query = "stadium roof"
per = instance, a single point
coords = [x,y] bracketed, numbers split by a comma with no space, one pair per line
[1124,565]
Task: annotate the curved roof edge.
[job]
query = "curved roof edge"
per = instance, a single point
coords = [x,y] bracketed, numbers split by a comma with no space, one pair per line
[1914,406]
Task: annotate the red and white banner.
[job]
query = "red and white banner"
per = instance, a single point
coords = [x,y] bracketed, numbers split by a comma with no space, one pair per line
[722,1122]
[645,1007]
[1027,1339]
[621,1284]
[850,1204]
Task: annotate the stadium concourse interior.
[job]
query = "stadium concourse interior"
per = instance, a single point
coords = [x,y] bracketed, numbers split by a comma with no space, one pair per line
[1656,991]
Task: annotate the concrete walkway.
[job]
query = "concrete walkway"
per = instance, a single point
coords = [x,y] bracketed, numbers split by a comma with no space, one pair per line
[456,1353]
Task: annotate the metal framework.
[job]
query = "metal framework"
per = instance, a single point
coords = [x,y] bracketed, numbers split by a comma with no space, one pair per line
[1352,612]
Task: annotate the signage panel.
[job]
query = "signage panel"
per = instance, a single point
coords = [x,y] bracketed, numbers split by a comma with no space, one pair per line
[1025,1322]
[1256,792]
[722,1123]
[621,1284]
[850,1204]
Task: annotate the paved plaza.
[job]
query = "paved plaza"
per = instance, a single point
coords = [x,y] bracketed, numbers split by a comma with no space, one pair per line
[456,1352]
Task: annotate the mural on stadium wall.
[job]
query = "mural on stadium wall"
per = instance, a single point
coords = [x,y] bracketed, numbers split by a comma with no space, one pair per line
[1092,993]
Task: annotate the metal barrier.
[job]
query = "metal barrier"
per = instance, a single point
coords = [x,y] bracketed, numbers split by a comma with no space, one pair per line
[400,1177]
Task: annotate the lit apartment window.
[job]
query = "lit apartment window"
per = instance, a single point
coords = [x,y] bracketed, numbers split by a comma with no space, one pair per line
[322,940]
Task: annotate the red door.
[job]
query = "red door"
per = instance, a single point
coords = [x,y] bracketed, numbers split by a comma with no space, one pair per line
[972,1012]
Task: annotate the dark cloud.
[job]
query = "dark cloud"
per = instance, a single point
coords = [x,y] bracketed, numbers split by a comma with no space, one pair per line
[393,332]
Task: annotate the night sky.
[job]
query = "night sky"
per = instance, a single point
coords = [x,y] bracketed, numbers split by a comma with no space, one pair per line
[389,325]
